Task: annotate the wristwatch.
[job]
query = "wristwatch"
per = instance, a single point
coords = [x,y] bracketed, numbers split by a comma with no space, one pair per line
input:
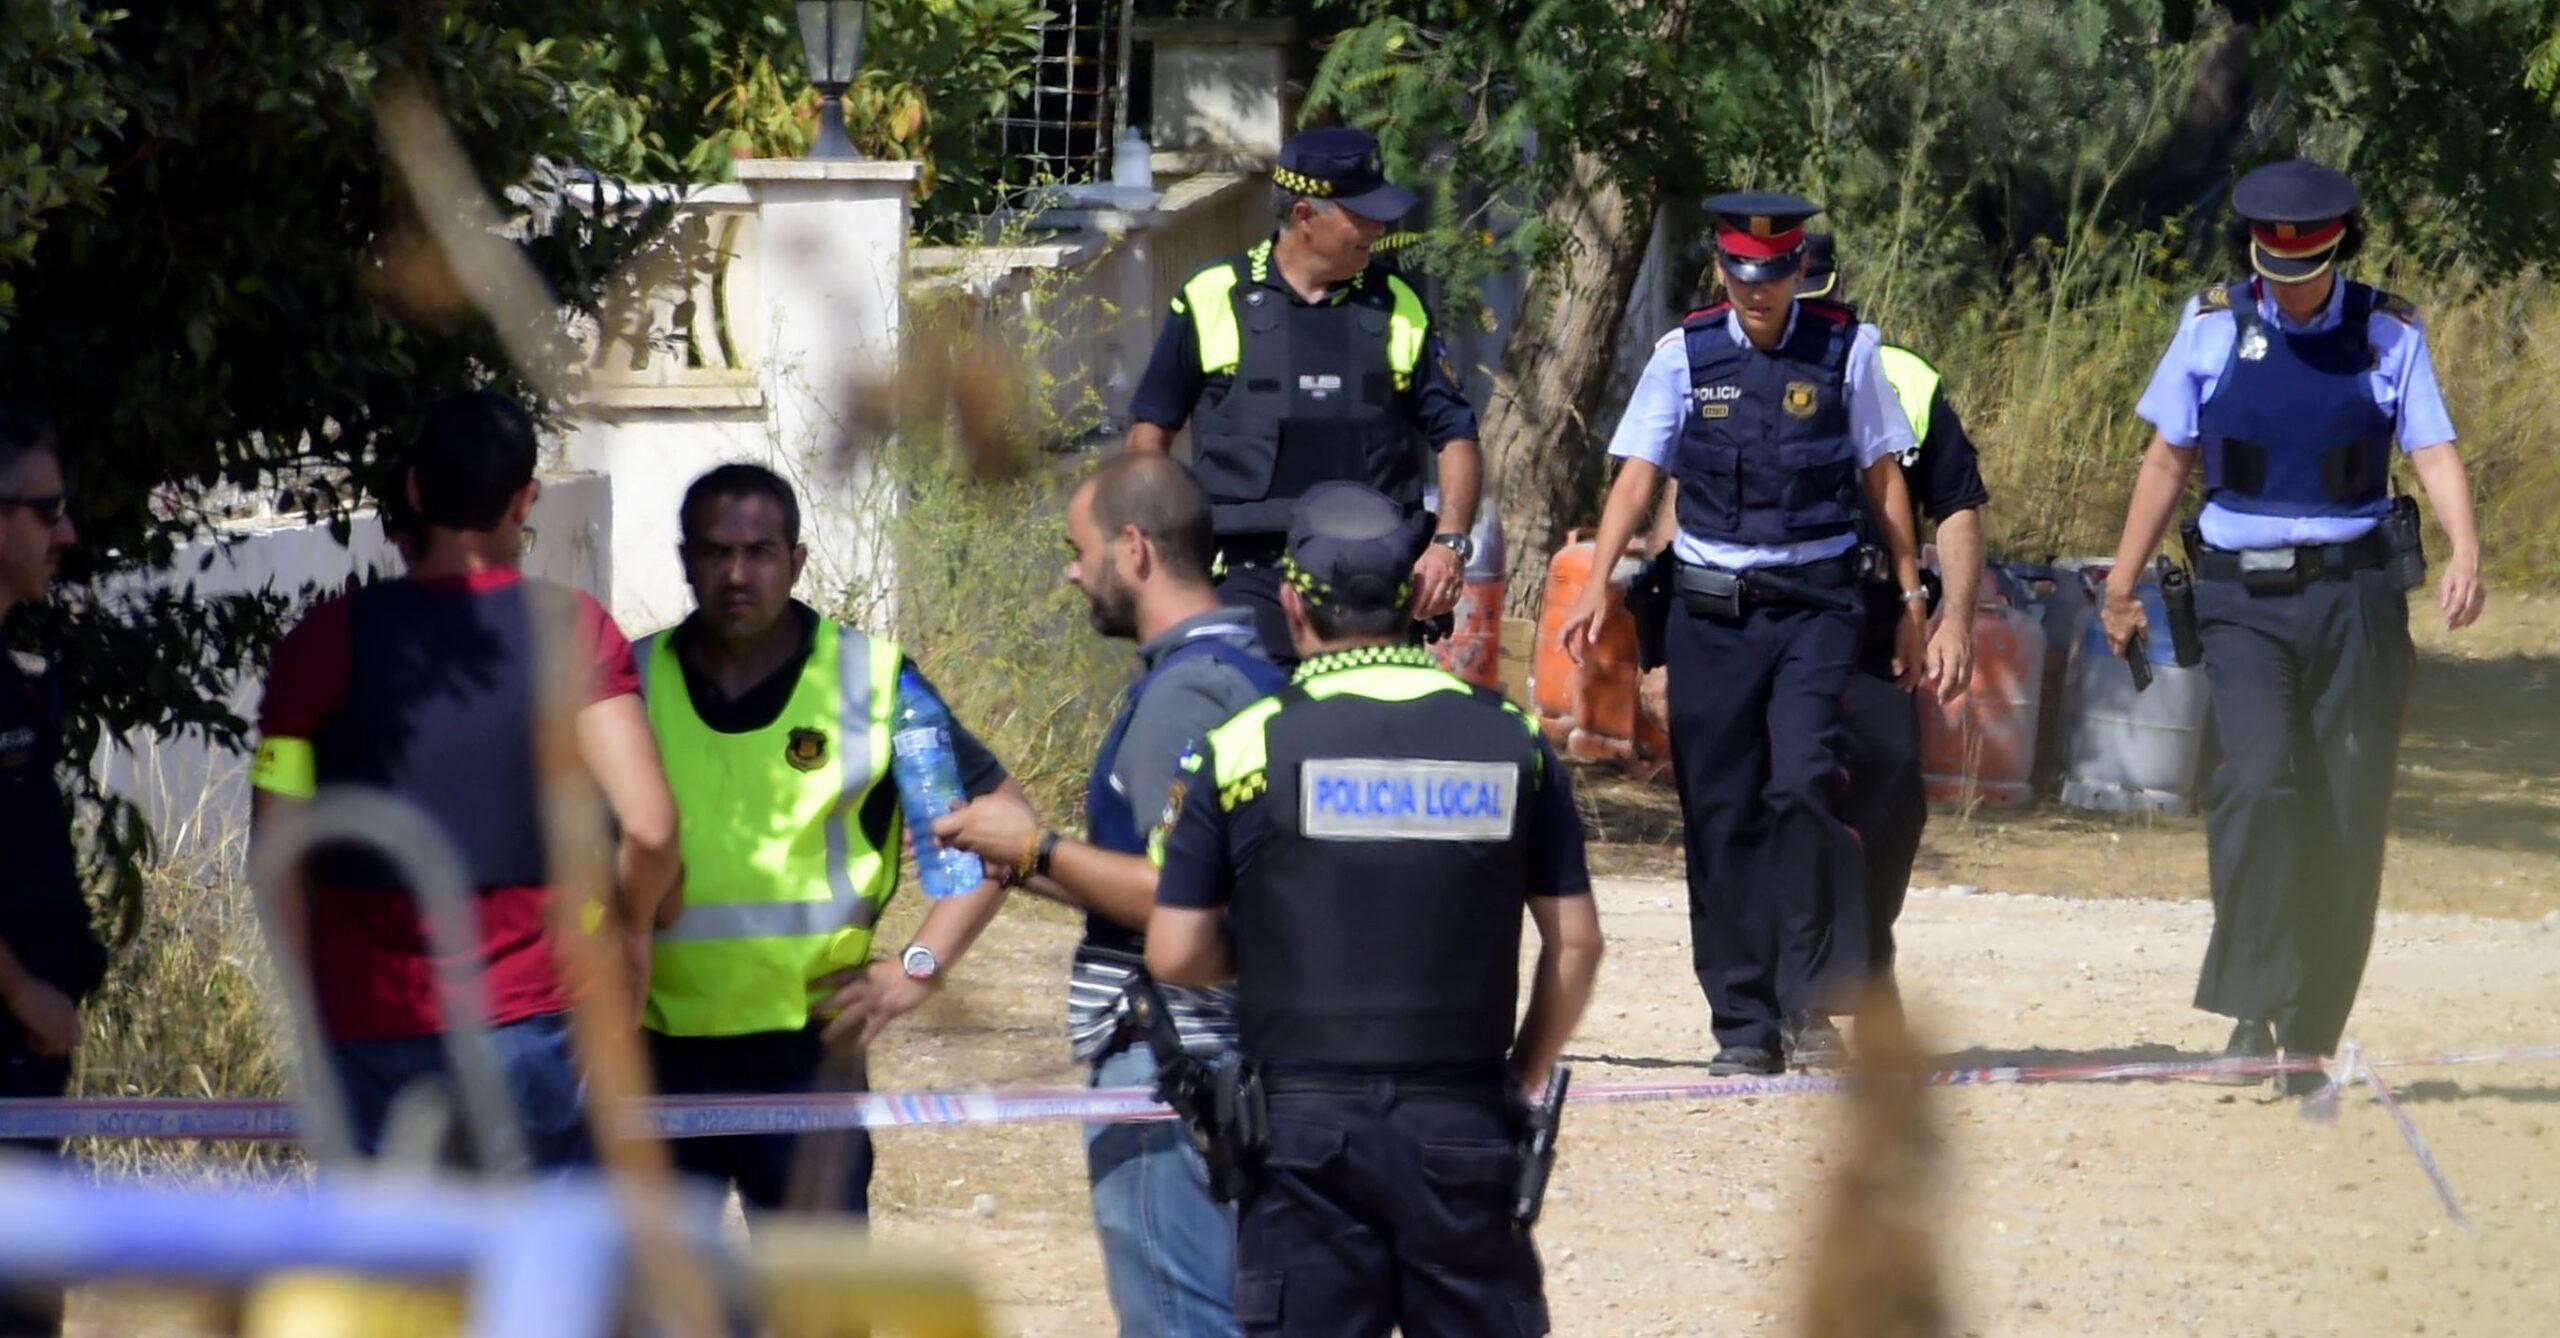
[1462,545]
[1919,596]
[919,963]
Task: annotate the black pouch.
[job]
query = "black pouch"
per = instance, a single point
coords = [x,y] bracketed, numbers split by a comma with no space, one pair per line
[1710,593]
[2270,571]
[1243,1113]
[2401,531]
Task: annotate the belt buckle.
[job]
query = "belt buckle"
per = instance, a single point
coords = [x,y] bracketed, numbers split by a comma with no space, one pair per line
[2271,571]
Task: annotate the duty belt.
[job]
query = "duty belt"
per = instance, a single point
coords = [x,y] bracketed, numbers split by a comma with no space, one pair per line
[1721,593]
[2292,568]
[1485,1081]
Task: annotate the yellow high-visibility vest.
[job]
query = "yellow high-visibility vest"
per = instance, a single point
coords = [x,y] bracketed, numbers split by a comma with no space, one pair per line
[781,883]
[1915,383]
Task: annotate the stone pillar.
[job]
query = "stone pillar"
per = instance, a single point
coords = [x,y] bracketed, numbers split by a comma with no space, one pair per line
[814,305]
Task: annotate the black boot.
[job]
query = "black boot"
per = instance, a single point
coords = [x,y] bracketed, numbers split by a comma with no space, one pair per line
[1737,1060]
[2251,1038]
[1812,1042]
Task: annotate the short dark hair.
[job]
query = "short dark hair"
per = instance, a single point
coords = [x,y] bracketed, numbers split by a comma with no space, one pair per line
[474,455]
[20,437]
[1157,494]
[1342,620]
[740,479]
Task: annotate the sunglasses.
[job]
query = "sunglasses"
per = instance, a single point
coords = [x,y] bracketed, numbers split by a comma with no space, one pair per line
[48,508]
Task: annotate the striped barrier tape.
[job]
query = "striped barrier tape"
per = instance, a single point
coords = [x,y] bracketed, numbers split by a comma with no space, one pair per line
[243,1120]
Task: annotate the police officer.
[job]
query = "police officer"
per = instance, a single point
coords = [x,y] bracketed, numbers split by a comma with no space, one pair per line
[1887,801]
[1355,852]
[1778,424]
[2297,386]
[1308,359]
[50,957]
[775,725]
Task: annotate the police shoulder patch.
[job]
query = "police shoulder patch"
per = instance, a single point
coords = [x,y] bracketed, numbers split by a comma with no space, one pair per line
[1407,799]
[2214,298]
[2395,306]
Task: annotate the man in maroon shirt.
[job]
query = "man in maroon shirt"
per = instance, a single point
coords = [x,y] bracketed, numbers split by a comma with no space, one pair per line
[423,689]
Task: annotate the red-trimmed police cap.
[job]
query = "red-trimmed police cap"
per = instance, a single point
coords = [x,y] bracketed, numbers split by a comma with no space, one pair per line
[2297,212]
[1759,233]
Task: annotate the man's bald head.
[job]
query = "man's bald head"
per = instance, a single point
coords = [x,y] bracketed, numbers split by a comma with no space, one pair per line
[1156,494]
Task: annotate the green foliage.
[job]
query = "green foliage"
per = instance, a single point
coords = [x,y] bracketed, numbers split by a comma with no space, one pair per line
[1486,104]
[199,293]
[54,105]
[689,87]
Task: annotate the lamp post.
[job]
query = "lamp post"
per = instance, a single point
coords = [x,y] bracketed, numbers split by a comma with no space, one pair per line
[831,42]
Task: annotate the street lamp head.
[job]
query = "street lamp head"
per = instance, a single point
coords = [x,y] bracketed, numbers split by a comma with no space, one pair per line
[831,40]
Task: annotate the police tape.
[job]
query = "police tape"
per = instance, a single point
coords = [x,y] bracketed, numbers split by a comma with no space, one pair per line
[245,1120]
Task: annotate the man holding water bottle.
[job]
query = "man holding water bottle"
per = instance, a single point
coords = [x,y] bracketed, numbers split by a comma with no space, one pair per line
[787,740]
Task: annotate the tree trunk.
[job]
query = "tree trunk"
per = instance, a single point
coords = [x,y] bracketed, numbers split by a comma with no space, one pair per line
[1537,428]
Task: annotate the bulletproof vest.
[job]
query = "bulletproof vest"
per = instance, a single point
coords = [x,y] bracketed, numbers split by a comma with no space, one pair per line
[1765,456]
[1112,823]
[1313,393]
[439,711]
[1378,924]
[2292,428]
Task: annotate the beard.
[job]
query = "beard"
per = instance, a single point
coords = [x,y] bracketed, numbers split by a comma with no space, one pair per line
[1111,605]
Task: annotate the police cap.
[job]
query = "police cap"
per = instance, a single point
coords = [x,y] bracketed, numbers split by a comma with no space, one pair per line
[2297,212]
[1759,233]
[1820,276]
[1352,548]
[1340,163]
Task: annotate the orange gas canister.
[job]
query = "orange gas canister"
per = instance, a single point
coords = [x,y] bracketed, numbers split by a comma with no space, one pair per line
[1587,709]
[1473,648]
[1982,747]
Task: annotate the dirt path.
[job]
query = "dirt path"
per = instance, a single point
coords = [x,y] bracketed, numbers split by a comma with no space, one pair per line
[2111,1210]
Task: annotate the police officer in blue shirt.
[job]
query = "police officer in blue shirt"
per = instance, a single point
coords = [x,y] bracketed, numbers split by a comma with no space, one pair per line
[2296,387]
[1774,417]
[1309,359]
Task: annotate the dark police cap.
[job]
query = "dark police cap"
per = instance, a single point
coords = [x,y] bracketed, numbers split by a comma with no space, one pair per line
[1760,233]
[1351,546]
[2297,214]
[1820,276]
[1340,163]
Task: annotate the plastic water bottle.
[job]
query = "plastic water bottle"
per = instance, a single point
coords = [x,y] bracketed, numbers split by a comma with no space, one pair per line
[926,766]
[1133,170]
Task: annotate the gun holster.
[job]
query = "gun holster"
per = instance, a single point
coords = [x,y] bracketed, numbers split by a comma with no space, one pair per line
[1708,592]
[2408,545]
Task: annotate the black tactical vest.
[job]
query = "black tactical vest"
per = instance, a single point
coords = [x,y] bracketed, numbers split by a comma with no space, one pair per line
[1378,927]
[1314,397]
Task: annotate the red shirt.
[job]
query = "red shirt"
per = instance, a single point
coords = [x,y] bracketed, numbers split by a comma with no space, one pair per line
[372,971]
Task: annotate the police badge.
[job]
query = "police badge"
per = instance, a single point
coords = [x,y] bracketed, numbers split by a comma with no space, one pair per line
[806,749]
[1799,399]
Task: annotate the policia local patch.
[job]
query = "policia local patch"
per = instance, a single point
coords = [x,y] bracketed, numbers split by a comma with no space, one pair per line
[1390,799]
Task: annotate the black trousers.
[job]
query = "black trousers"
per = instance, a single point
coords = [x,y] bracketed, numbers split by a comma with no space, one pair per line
[1775,918]
[1887,802]
[30,1310]
[2309,693]
[1388,1208]
[762,1166]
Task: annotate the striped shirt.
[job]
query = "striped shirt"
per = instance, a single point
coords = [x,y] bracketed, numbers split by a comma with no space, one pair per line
[1096,1007]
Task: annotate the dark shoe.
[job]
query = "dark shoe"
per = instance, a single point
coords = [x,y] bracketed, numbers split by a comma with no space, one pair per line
[1811,1042]
[1736,1060]
[2251,1038]
[2306,1082]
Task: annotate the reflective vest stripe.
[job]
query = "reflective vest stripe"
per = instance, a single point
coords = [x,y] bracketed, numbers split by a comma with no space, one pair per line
[753,934]
[1210,298]
[1914,382]
[1211,294]
[1408,331]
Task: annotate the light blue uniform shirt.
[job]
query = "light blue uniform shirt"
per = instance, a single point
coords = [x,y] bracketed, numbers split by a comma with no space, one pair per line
[1649,430]
[2404,386]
